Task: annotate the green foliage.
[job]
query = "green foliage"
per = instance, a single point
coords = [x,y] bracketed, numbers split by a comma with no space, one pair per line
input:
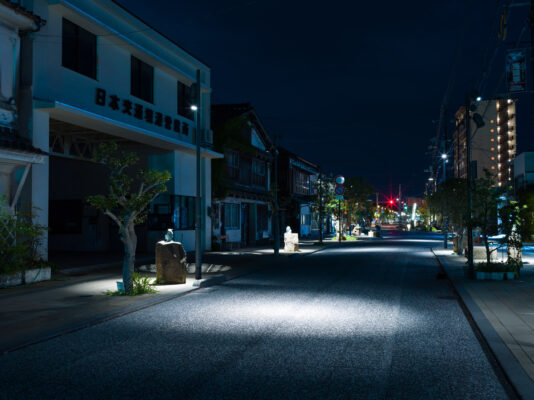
[493,267]
[20,254]
[122,201]
[141,285]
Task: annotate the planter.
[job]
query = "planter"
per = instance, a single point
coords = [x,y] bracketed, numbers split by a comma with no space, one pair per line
[497,276]
[120,286]
[480,276]
[510,276]
[37,275]
[13,279]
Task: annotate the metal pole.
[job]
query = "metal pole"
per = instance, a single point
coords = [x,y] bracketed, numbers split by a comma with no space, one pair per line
[276,224]
[320,209]
[198,202]
[470,266]
[339,220]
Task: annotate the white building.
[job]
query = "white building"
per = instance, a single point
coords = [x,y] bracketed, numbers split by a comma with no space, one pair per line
[100,74]
[17,155]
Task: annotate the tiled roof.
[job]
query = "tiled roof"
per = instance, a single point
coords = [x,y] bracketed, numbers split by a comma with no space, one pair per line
[11,140]
[223,112]
[15,6]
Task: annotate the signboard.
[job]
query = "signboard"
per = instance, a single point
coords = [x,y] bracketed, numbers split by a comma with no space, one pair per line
[340,180]
[339,197]
[516,70]
[339,190]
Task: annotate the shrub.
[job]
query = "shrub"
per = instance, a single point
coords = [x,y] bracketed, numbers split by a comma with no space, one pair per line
[141,285]
[19,241]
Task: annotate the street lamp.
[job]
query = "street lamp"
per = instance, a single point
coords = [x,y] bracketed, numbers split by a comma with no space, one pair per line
[198,202]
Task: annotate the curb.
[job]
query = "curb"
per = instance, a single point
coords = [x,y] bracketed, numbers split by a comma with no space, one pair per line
[518,379]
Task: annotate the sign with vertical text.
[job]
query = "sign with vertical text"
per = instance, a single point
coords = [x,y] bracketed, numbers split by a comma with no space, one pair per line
[516,70]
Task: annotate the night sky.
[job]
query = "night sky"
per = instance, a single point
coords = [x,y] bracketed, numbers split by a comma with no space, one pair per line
[352,86]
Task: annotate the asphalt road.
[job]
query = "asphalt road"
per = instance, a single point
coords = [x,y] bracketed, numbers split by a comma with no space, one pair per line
[368,320]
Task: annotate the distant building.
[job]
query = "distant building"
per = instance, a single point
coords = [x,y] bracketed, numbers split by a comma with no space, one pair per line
[17,154]
[102,74]
[296,180]
[524,170]
[493,146]
[242,206]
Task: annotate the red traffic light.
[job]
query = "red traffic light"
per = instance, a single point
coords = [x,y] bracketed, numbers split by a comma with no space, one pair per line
[391,202]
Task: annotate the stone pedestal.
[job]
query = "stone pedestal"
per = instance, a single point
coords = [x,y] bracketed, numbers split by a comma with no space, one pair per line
[170,262]
[291,242]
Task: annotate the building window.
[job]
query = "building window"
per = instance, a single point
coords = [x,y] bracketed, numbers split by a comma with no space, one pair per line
[231,215]
[142,80]
[78,49]
[184,101]
[232,164]
[301,182]
[184,212]
[258,173]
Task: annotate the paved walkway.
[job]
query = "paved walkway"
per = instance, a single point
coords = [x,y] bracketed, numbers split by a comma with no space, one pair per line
[76,298]
[504,313]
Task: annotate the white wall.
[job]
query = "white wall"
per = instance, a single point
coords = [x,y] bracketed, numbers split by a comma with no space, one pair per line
[55,83]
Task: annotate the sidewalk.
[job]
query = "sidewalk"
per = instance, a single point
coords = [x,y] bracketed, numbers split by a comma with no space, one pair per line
[504,313]
[73,301]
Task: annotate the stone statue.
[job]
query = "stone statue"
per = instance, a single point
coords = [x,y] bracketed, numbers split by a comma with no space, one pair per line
[291,241]
[169,236]
[288,229]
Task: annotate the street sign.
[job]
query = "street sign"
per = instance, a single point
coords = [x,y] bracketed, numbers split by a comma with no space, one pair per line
[339,190]
[340,180]
[339,197]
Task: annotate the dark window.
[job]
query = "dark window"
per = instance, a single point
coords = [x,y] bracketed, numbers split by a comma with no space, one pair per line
[184,101]
[231,215]
[66,216]
[184,212]
[172,212]
[263,218]
[142,80]
[78,49]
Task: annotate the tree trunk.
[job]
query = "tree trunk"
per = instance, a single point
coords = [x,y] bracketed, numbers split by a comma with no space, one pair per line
[129,240]
[486,245]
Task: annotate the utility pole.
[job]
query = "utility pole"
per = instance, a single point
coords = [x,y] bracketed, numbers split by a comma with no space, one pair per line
[276,223]
[339,220]
[198,200]
[470,266]
[320,209]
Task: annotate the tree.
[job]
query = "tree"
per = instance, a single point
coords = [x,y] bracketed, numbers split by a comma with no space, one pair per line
[357,193]
[451,199]
[484,214]
[127,207]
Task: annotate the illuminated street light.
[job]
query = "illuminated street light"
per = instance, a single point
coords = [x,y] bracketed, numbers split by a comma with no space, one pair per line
[479,99]
[194,108]
[430,179]
[444,156]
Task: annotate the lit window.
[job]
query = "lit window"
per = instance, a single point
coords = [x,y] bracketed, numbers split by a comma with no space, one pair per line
[493,158]
[492,121]
[492,130]
[492,149]
[492,140]
[493,167]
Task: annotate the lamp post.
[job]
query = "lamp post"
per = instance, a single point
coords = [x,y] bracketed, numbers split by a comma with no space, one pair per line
[470,266]
[198,201]
[276,223]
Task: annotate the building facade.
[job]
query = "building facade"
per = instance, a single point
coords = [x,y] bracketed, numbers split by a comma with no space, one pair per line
[493,145]
[242,207]
[102,74]
[524,170]
[17,154]
[296,180]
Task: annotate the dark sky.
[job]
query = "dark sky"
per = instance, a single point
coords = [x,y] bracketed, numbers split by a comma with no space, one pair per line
[353,86]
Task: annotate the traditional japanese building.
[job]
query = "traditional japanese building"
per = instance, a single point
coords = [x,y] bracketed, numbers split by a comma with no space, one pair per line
[102,74]
[296,180]
[242,206]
